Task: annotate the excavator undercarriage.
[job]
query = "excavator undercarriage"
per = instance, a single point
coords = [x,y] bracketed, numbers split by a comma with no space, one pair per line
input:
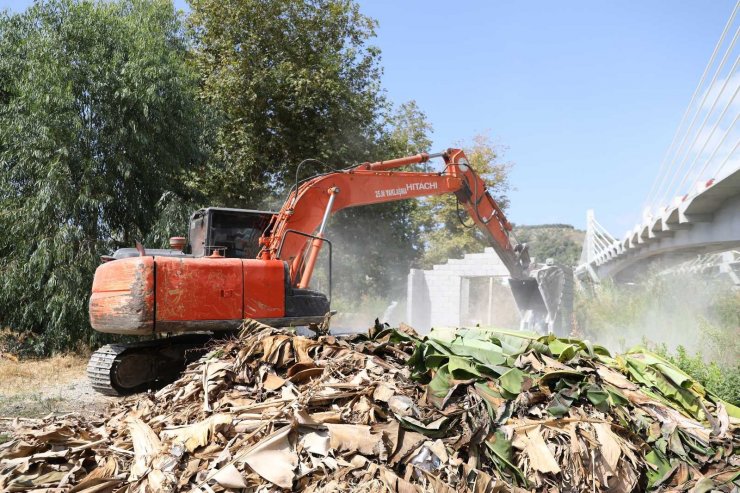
[119,369]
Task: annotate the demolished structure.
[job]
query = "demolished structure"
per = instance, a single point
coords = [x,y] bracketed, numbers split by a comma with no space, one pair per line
[466,410]
[475,290]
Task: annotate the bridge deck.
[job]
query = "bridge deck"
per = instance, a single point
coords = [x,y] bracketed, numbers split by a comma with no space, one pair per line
[703,222]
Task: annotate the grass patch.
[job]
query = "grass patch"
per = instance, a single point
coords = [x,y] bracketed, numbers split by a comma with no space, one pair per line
[30,405]
[24,376]
[31,388]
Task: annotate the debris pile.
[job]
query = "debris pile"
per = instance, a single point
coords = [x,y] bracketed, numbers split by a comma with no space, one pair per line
[467,410]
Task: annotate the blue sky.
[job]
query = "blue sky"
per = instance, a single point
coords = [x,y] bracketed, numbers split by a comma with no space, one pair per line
[586,95]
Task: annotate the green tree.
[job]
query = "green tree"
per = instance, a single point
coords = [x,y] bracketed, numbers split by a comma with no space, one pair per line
[407,132]
[561,242]
[98,119]
[287,80]
[447,230]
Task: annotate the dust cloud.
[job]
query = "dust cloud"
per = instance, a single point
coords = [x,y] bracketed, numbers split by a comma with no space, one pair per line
[370,265]
[669,310]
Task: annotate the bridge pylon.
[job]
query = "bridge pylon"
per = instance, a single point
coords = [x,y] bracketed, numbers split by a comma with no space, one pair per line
[598,245]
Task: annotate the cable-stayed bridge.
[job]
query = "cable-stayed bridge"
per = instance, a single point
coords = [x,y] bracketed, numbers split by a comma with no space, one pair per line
[693,207]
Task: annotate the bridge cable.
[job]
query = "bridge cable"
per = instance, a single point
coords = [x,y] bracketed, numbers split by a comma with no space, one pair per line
[719,146]
[711,134]
[602,243]
[693,97]
[667,191]
[727,159]
[604,230]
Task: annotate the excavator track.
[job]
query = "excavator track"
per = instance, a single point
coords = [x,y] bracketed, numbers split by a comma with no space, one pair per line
[121,369]
[100,365]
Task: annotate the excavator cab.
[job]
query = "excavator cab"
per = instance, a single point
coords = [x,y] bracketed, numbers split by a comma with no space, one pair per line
[234,233]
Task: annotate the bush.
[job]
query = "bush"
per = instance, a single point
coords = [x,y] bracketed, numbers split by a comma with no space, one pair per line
[723,381]
[675,310]
[691,321]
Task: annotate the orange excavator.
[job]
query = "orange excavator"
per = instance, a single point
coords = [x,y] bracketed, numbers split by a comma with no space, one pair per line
[258,265]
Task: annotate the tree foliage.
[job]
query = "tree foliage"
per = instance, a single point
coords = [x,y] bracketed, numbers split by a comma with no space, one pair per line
[376,245]
[117,120]
[287,80]
[98,119]
[561,242]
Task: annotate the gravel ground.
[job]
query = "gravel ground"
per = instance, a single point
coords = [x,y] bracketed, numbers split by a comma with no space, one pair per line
[44,397]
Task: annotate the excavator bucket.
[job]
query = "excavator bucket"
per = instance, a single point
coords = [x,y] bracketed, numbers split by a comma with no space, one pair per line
[545,299]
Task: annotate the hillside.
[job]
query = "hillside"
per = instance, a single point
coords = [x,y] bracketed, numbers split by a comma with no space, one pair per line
[560,241]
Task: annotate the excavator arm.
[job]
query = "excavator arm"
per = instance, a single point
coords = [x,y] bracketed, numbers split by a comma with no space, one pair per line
[308,208]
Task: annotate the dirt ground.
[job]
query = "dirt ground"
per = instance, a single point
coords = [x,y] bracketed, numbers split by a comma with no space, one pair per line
[35,388]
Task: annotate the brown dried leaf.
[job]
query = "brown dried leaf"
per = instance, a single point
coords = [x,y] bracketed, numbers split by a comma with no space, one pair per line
[146,445]
[197,434]
[230,477]
[383,391]
[355,438]
[274,458]
[530,442]
[609,446]
[272,381]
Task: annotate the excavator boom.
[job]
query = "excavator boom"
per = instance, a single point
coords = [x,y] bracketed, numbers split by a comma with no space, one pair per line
[309,206]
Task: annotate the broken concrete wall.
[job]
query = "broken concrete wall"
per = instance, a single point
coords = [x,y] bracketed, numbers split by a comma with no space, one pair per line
[440,297]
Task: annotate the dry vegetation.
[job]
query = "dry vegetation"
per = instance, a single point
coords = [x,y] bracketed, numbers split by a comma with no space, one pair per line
[21,377]
[36,387]
[467,410]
